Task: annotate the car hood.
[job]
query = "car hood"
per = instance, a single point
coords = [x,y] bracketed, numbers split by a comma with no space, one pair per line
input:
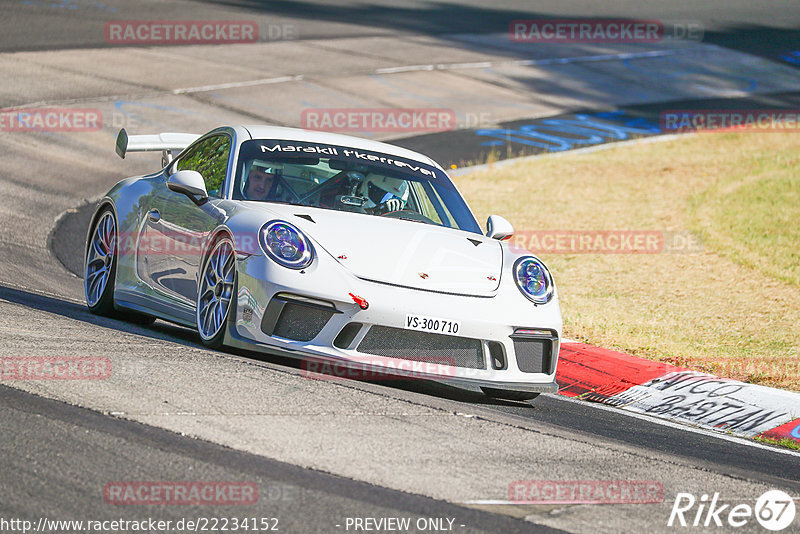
[404,253]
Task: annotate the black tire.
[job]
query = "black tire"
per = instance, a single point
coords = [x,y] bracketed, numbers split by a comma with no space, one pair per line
[505,394]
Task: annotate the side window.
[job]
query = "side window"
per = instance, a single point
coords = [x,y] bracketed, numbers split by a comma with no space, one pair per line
[210,159]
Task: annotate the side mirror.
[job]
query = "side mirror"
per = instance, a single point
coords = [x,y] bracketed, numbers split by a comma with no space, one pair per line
[498,228]
[191,184]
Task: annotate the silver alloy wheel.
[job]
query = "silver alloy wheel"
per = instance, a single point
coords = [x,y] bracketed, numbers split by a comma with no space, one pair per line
[100,258]
[216,290]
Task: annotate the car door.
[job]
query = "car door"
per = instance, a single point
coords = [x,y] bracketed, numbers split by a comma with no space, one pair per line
[178,228]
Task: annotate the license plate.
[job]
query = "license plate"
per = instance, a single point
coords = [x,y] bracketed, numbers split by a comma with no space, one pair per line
[432,324]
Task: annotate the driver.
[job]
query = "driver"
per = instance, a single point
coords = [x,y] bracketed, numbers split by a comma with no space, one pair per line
[384,194]
[261,183]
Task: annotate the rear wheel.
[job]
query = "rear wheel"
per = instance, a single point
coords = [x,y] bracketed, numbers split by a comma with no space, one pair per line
[100,274]
[101,265]
[215,292]
[504,394]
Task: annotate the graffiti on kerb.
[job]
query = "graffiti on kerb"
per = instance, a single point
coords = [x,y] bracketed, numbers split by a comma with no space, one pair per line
[556,135]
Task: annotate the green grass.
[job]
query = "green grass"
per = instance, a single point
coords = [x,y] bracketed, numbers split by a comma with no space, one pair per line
[756,219]
[783,442]
[732,308]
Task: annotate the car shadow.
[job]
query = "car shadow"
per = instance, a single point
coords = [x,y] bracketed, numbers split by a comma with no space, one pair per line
[185,336]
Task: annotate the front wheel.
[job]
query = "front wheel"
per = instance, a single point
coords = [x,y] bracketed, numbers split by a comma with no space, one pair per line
[215,292]
[504,394]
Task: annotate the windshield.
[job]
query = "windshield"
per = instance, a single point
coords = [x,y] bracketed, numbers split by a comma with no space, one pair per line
[348,179]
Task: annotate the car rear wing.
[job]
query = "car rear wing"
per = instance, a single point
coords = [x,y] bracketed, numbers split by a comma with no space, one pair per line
[167,143]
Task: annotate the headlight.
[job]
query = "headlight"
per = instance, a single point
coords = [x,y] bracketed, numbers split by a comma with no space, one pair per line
[533,279]
[286,245]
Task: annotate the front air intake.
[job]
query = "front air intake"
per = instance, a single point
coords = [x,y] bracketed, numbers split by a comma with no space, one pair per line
[347,335]
[423,347]
[296,318]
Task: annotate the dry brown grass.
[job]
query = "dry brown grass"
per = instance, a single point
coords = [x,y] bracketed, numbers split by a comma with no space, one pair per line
[733,309]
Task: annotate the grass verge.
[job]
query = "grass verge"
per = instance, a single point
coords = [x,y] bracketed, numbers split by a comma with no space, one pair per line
[732,308]
[783,442]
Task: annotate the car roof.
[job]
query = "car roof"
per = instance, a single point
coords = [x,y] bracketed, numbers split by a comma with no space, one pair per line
[297,134]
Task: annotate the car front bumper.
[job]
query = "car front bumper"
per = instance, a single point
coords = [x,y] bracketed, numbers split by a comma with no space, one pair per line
[485,352]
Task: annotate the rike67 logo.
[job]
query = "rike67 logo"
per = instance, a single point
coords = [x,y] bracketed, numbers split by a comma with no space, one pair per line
[774,510]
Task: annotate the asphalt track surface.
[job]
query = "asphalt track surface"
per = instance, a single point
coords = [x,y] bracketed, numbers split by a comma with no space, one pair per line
[735,457]
[319,451]
[93,449]
[47,24]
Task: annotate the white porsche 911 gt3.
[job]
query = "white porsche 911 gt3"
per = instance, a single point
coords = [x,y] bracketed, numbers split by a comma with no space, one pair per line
[328,248]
